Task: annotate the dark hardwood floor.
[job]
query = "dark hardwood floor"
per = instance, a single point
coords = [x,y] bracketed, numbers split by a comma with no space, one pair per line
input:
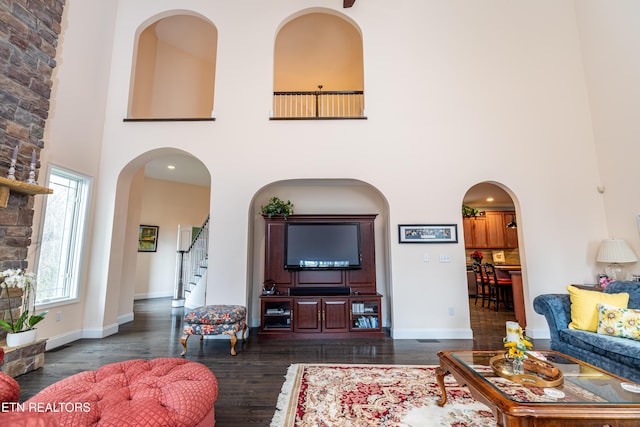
[250,382]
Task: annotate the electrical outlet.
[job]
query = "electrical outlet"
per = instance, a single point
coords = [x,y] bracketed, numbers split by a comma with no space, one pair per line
[452,311]
[58,316]
[425,257]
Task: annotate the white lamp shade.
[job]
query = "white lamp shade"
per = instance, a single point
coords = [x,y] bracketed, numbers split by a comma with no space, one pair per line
[615,250]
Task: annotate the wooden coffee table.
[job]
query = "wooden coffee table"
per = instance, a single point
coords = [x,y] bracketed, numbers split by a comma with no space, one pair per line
[588,396]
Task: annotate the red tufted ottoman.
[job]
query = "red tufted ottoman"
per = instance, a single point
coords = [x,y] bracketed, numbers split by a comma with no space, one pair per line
[166,392]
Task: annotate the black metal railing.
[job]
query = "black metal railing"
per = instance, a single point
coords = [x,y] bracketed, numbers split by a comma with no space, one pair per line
[340,104]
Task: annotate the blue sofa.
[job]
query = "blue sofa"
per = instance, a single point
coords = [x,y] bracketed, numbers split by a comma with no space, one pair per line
[620,356]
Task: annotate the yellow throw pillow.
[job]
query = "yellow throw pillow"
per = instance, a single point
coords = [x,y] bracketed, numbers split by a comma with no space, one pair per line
[584,306]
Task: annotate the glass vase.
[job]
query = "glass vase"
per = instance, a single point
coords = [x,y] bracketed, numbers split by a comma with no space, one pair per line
[517,366]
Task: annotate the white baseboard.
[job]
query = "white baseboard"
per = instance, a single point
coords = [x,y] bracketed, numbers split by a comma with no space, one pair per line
[60,340]
[100,332]
[538,334]
[66,338]
[440,334]
[153,295]
[125,318]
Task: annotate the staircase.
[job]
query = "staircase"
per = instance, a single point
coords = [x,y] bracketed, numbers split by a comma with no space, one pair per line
[192,278]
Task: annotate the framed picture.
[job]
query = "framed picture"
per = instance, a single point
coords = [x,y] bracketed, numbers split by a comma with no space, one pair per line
[432,233]
[148,238]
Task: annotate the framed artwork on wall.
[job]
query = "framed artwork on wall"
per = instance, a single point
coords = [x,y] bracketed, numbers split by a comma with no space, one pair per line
[428,233]
[148,238]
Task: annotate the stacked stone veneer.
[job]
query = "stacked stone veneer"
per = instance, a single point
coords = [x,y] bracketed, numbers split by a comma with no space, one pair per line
[29,31]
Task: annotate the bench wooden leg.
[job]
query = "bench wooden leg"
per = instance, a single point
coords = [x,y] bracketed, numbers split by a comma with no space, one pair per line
[183,340]
[233,338]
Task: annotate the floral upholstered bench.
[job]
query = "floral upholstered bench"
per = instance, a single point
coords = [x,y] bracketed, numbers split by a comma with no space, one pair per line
[215,320]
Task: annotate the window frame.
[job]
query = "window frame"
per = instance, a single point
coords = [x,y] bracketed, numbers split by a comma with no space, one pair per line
[83,218]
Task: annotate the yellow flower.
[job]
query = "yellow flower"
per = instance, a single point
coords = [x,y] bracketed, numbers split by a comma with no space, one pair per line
[610,315]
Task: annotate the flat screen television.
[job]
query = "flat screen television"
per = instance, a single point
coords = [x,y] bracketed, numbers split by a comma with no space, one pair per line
[322,246]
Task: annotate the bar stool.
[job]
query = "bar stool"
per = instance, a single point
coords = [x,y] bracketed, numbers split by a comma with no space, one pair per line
[482,289]
[500,289]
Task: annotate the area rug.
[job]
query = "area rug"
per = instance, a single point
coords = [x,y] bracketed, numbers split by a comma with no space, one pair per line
[374,395]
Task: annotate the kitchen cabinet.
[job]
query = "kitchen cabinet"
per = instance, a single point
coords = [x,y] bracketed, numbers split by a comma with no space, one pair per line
[475,232]
[495,228]
[510,234]
[489,231]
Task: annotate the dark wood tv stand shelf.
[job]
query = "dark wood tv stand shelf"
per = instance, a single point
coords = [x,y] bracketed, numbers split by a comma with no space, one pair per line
[321,314]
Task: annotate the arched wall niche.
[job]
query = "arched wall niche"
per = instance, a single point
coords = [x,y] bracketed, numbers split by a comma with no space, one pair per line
[320,196]
[173,69]
[318,47]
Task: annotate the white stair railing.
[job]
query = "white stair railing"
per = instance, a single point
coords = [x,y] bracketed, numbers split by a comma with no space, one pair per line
[193,267]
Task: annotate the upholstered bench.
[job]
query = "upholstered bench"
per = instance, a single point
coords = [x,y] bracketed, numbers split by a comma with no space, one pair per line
[169,392]
[215,320]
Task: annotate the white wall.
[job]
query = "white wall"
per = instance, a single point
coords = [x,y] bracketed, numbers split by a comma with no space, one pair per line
[610,38]
[457,93]
[73,136]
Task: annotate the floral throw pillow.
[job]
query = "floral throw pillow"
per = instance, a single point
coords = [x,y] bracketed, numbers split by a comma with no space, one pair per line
[618,322]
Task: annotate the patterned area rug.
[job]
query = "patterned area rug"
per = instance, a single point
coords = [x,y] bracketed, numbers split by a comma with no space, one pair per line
[374,395]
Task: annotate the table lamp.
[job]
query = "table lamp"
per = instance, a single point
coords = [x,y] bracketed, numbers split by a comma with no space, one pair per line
[615,252]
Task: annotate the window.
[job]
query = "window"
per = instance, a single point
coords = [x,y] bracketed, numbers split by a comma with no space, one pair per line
[62,236]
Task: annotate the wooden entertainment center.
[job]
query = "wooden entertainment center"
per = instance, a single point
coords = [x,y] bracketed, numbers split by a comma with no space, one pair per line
[321,302]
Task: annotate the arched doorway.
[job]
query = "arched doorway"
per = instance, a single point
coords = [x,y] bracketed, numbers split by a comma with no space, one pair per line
[160,188]
[490,227]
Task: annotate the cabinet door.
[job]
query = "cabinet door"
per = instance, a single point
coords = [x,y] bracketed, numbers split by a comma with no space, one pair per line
[479,230]
[306,316]
[495,230]
[363,280]
[510,234]
[274,255]
[467,228]
[335,314]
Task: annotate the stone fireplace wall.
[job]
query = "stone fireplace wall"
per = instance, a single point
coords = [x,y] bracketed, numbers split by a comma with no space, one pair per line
[29,31]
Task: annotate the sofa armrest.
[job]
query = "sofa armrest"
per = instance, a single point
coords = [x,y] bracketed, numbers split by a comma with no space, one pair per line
[556,308]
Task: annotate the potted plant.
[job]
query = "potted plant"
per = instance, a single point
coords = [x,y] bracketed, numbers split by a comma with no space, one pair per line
[469,212]
[277,207]
[20,330]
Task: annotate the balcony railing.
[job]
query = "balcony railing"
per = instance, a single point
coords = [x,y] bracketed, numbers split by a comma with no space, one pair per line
[323,105]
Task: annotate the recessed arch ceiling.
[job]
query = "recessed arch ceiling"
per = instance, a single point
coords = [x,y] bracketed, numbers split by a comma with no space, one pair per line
[187,170]
[477,195]
[190,34]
